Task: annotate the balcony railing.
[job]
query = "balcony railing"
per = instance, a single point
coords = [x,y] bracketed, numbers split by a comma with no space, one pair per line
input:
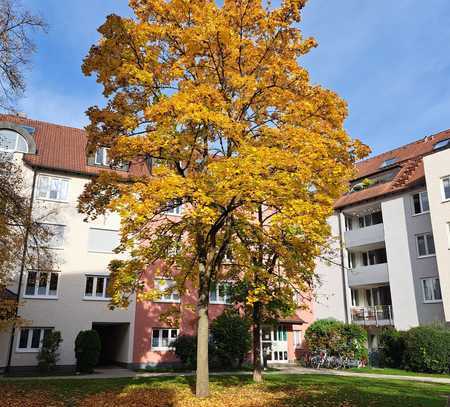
[378,315]
[367,275]
[364,236]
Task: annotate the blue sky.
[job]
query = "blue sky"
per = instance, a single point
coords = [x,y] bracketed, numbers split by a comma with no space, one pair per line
[389,59]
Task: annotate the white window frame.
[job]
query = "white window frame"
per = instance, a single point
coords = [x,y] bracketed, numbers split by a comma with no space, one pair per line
[36,285]
[93,297]
[15,149]
[160,337]
[225,300]
[29,349]
[428,254]
[297,338]
[47,197]
[175,211]
[444,198]
[106,230]
[104,153]
[48,244]
[433,300]
[420,203]
[163,284]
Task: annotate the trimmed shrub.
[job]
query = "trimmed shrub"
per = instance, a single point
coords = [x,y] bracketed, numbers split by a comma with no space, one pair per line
[48,355]
[392,348]
[87,350]
[337,339]
[427,349]
[230,335]
[186,350]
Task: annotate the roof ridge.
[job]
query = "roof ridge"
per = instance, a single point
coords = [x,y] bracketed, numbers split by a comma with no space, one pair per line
[19,118]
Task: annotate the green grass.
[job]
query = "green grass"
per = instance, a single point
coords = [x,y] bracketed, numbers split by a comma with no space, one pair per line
[296,390]
[397,372]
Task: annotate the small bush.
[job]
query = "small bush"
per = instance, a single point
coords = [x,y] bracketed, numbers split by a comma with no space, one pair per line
[186,350]
[230,335]
[337,338]
[87,350]
[391,348]
[427,349]
[48,355]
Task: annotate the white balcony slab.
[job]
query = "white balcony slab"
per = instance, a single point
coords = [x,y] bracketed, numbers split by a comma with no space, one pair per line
[364,236]
[368,275]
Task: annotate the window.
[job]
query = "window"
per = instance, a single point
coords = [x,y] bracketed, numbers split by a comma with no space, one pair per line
[43,284]
[348,223]
[446,188]
[371,219]
[280,334]
[102,240]
[101,156]
[372,257]
[441,144]
[351,260]
[420,203]
[30,339]
[52,188]
[220,293]
[425,245]
[431,290]
[176,210]
[96,287]
[12,142]
[166,286]
[297,339]
[388,162]
[163,338]
[56,236]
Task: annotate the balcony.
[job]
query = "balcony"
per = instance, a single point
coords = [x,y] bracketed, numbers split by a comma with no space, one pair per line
[364,236]
[378,315]
[368,275]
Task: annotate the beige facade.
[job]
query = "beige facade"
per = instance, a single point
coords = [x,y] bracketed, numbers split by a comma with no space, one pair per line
[437,169]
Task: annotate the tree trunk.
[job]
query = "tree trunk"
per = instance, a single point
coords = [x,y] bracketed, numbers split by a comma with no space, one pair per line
[202,384]
[257,370]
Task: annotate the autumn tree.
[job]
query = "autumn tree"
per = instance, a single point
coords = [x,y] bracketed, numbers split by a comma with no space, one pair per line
[215,99]
[23,237]
[16,48]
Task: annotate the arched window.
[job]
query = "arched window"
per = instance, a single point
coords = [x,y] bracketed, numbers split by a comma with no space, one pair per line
[12,141]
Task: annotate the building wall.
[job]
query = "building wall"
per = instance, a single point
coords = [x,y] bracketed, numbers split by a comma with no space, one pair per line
[330,299]
[437,165]
[70,312]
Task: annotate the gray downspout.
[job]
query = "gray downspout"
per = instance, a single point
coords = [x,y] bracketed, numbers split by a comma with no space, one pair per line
[344,280]
[22,269]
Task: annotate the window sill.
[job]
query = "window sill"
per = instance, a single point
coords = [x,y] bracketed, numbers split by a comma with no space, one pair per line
[421,213]
[99,252]
[445,200]
[101,299]
[40,297]
[52,200]
[432,301]
[219,303]
[162,349]
[18,350]
[426,256]
[167,301]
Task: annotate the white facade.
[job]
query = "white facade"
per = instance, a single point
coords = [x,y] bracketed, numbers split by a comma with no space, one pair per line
[75,298]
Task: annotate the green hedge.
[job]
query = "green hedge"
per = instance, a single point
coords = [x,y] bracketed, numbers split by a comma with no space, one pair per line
[337,338]
[392,348]
[427,349]
[87,350]
[186,350]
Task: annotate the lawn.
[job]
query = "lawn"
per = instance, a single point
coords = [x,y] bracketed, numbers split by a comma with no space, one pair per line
[226,391]
[397,372]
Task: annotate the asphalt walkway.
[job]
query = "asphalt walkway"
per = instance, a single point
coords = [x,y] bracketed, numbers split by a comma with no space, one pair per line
[116,372]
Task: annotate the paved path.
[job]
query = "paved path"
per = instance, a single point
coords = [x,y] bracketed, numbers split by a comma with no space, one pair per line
[111,373]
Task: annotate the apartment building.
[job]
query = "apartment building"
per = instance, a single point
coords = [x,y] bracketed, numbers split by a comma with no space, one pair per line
[74,296]
[394,228]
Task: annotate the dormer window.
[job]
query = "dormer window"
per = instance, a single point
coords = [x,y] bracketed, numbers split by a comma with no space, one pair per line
[442,144]
[101,156]
[12,142]
[388,162]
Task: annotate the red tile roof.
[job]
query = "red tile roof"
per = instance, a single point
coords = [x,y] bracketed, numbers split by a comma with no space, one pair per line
[63,148]
[411,171]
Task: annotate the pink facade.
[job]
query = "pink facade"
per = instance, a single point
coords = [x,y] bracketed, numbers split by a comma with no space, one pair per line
[150,316]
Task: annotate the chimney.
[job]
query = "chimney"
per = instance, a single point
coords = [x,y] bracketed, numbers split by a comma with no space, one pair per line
[23,115]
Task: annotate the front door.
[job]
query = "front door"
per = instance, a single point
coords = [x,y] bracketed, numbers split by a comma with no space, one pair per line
[274,344]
